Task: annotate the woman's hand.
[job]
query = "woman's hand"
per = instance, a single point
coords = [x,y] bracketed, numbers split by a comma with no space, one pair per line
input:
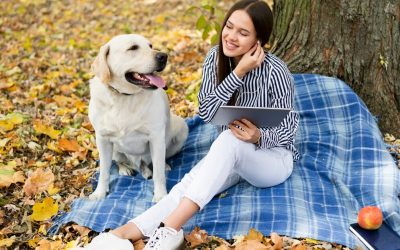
[245,130]
[251,60]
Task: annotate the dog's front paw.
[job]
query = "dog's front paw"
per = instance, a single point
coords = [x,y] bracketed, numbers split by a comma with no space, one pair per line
[159,195]
[98,195]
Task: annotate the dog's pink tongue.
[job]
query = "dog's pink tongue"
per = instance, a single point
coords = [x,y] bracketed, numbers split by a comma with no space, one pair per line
[156,80]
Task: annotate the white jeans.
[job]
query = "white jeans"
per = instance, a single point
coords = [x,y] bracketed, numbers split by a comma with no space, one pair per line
[228,160]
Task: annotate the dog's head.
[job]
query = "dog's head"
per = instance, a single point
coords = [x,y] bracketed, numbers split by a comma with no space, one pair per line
[128,63]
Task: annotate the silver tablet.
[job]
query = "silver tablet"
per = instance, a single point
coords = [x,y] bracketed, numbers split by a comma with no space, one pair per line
[261,117]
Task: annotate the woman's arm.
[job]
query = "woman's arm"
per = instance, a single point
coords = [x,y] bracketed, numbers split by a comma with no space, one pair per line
[282,88]
[212,95]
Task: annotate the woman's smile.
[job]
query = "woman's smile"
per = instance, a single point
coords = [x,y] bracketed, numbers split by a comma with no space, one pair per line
[230,45]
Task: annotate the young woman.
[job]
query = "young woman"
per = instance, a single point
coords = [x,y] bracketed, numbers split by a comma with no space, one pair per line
[237,72]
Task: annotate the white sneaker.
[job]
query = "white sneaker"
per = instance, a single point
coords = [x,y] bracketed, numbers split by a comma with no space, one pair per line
[165,238]
[108,241]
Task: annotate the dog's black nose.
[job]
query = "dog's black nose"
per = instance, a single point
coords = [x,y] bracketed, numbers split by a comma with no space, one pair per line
[161,57]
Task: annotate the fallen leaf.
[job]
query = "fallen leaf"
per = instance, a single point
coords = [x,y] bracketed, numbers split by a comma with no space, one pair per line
[83,231]
[43,229]
[33,242]
[49,245]
[254,235]
[52,146]
[4,85]
[3,142]
[71,244]
[238,239]
[9,121]
[7,242]
[9,176]
[251,245]
[277,240]
[197,237]
[45,210]
[52,190]
[38,181]
[312,241]
[298,247]
[41,128]
[69,145]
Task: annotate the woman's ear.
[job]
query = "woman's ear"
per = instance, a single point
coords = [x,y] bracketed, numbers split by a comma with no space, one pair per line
[100,66]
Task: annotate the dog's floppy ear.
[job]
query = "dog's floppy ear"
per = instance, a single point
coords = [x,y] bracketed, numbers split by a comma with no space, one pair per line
[100,67]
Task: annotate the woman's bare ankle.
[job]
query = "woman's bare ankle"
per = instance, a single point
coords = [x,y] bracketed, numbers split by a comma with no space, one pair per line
[128,231]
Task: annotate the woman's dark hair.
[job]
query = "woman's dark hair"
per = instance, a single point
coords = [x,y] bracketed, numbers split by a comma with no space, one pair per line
[261,16]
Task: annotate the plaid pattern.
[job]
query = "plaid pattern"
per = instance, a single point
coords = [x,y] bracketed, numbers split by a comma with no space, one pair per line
[344,166]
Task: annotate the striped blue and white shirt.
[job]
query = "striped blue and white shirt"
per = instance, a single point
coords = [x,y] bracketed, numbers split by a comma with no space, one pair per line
[270,85]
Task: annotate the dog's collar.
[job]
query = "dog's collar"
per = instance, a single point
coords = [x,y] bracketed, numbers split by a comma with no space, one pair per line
[116,91]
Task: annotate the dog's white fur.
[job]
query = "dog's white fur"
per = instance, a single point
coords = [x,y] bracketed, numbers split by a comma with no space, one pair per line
[133,125]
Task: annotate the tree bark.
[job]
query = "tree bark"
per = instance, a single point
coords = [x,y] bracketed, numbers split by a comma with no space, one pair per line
[355,41]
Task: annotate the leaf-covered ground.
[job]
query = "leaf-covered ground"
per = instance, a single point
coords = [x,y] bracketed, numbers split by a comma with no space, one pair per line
[47,146]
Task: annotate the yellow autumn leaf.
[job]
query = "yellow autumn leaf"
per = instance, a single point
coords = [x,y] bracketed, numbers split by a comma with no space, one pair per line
[16,118]
[32,243]
[7,242]
[45,210]
[42,229]
[52,146]
[63,111]
[42,89]
[42,128]
[254,235]
[63,101]
[52,190]
[81,106]
[9,176]
[71,244]
[8,122]
[312,241]
[6,125]
[160,19]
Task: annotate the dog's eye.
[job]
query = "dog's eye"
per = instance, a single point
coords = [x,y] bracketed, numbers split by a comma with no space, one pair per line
[134,47]
[151,46]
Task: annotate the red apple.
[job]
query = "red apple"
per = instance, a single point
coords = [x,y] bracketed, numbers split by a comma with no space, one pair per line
[370,217]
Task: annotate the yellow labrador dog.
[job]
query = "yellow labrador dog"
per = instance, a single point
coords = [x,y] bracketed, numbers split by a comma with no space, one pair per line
[130,112]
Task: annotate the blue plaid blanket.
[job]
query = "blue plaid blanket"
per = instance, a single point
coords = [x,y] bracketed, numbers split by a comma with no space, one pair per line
[344,166]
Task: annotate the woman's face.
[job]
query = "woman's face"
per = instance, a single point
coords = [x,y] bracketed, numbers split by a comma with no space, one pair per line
[238,35]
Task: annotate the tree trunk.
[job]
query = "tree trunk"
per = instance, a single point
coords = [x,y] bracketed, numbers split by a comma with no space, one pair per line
[356,41]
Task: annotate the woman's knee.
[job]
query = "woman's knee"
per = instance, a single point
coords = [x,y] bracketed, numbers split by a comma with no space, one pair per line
[269,180]
[227,139]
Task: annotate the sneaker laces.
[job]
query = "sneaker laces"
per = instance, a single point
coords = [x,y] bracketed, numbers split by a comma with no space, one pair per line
[159,234]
